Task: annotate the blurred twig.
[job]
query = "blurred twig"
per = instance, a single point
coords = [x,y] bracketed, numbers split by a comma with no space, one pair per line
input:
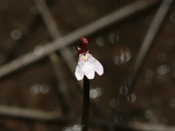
[54,116]
[140,126]
[149,38]
[54,33]
[31,114]
[55,60]
[68,39]
[147,43]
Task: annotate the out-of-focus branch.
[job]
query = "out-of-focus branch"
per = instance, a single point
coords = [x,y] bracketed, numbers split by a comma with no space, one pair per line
[54,33]
[31,114]
[48,19]
[68,39]
[150,37]
[55,60]
[140,126]
[54,116]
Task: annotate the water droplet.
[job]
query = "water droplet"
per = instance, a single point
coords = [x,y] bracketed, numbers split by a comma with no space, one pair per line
[172,103]
[172,18]
[44,89]
[35,89]
[123,57]
[131,98]
[148,74]
[94,93]
[3,4]
[82,10]
[123,90]
[16,34]
[100,41]
[38,50]
[117,60]
[76,128]
[163,69]
[148,114]
[113,38]
[67,129]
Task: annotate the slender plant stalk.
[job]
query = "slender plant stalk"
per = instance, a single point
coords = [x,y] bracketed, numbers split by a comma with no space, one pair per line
[86,103]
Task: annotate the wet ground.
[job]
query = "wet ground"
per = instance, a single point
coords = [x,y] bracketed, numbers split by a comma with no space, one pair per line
[152,99]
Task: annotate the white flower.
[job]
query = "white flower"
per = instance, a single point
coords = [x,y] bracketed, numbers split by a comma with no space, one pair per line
[88,65]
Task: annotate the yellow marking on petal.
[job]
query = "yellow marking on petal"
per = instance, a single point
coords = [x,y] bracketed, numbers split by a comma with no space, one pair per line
[84,57]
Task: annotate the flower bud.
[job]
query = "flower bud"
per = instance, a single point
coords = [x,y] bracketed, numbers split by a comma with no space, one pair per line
[83,41]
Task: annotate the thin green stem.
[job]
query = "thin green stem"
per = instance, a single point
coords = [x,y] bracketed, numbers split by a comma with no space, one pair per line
[86,103]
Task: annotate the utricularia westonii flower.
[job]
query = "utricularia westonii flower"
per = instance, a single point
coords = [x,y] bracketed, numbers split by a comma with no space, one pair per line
[87,64]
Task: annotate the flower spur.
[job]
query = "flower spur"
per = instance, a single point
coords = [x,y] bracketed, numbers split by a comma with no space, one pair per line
[87,64]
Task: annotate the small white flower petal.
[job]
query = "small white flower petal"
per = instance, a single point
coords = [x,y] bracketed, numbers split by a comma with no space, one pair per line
[88,65]
[88,69]
[98,67]
[90,75]
[78,73]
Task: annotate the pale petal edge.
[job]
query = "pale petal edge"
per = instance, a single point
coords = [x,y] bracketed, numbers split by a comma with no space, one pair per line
[99,68]
[78,73]
[90,75]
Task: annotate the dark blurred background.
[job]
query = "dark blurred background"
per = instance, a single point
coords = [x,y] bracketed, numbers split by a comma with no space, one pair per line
[137,90]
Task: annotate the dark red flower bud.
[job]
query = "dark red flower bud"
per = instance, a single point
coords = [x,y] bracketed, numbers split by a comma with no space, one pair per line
[82,47]
[84,41]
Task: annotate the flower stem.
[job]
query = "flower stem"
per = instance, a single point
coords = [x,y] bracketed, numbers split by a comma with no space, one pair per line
[86,103]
